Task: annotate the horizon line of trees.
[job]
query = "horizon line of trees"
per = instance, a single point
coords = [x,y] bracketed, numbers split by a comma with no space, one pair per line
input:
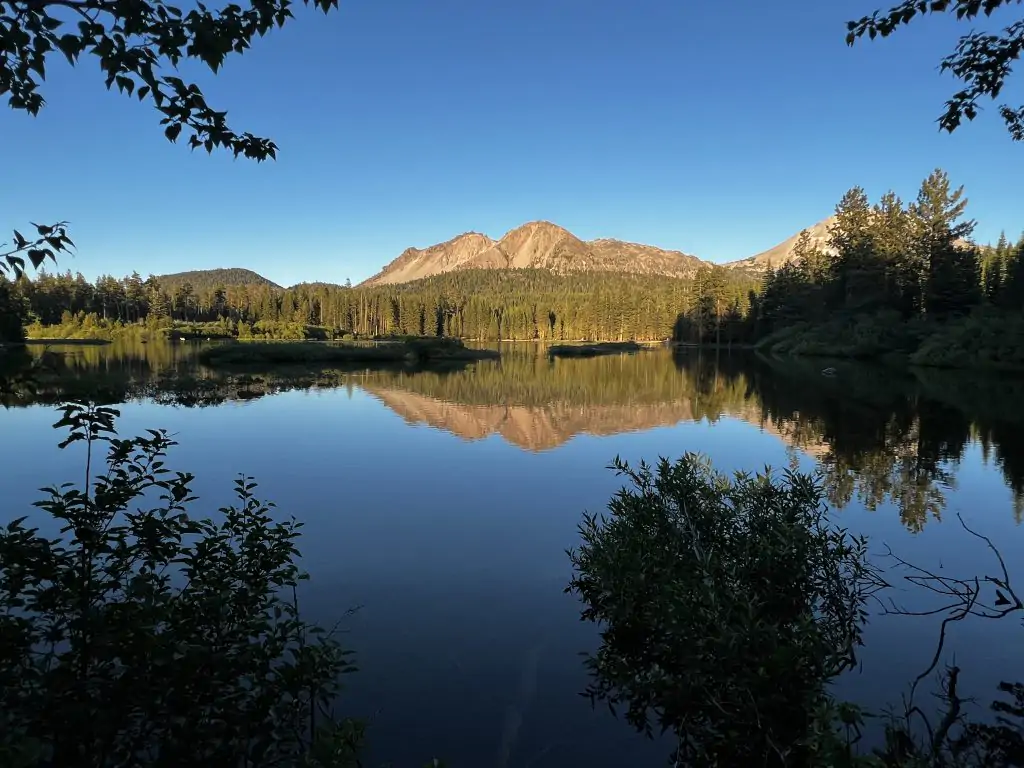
[483,304]
[901,261]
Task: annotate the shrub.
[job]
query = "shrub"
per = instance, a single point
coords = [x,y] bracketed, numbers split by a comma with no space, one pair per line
[857,336]
[727,606]
[986,339]
[152,637]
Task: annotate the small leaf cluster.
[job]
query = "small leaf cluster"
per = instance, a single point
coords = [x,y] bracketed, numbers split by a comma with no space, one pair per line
[726,606]
[144,635]
[50,240]
[135,43]
[981,61]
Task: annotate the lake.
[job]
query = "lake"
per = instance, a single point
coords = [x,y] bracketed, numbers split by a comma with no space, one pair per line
[442,504]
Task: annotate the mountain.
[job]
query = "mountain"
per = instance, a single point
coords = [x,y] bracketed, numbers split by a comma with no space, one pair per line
[783,252]
[536,245]
[201,278]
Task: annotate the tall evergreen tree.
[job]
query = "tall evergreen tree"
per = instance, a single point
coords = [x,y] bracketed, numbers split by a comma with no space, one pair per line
[952,279]
[858,275]
[898,254]
[1012,296]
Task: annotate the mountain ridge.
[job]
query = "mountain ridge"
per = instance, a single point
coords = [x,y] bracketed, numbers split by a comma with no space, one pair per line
[782,253]
[534,245]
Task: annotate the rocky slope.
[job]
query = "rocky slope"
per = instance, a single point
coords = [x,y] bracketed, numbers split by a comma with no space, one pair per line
[783,252]
[537,245]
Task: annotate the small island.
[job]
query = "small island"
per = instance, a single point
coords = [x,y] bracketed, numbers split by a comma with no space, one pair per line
[65,342]
[593,350]
[410,351]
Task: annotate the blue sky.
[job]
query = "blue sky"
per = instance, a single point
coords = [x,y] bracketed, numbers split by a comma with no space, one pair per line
[717,128]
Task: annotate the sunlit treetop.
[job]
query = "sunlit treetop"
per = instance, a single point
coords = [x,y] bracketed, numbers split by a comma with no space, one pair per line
[982,62]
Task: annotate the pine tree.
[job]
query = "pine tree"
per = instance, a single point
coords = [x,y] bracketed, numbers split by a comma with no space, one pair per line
[952,280]
[1012,296]
[898,255]
[994,265]
[858,277]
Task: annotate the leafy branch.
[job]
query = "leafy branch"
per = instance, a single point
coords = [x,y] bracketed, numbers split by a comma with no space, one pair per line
[51,239]
[136,42]
[981,61]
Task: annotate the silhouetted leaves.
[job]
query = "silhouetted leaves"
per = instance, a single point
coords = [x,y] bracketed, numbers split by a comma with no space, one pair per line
[137,45]
[981,61]
[143,635]
[51,239]
[726,607]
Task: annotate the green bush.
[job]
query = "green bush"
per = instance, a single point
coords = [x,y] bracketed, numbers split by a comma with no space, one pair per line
[83,326]
[144,636]
[985,339]
[727,606]
[857,336]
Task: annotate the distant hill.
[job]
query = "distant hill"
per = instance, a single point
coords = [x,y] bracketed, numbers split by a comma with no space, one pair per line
[210,278]
[535,245]
[315,284]
[782,253]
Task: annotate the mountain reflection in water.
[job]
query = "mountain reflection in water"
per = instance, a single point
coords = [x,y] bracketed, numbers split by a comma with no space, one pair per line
[879,435]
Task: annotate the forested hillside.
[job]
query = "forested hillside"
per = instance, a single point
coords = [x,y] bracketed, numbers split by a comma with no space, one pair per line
[479,304]
[203,279]
[890,278]
[901,279]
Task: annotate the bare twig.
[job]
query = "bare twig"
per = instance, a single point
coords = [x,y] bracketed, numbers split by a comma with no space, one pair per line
[965,593]
[963,598]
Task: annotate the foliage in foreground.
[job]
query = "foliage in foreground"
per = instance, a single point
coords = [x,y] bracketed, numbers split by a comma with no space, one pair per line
[726,606]
[136,47]
[156,638]
[981,62]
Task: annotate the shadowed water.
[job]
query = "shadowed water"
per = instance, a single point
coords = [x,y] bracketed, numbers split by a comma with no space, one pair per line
[442,504]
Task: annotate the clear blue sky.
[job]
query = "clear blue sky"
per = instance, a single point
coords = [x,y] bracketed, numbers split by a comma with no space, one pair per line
[717,128]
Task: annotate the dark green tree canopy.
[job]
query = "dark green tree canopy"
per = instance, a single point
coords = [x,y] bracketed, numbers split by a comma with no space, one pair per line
[137,44]
[981,61]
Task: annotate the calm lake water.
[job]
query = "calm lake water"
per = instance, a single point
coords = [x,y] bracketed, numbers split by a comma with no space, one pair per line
[442,504]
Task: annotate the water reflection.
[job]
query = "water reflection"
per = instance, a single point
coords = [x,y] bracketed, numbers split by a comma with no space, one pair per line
[443,504]
[879,435]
